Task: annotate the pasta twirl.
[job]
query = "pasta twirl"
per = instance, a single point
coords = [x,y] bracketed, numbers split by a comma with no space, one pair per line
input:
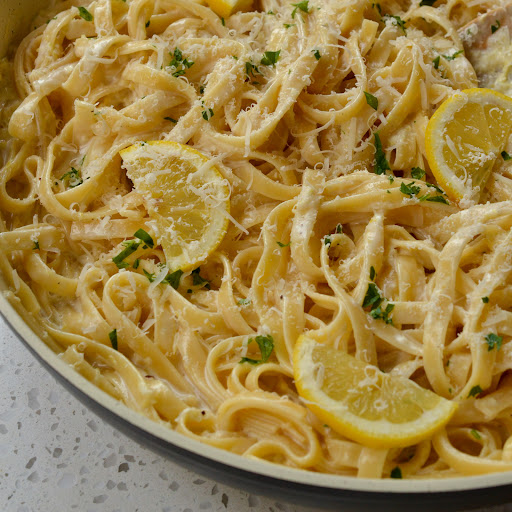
[316,117]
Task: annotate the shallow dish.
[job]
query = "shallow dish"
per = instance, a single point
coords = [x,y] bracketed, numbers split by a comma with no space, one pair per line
[317,490]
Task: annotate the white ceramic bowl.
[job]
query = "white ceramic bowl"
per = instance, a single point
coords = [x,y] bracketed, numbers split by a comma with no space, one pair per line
[286,484]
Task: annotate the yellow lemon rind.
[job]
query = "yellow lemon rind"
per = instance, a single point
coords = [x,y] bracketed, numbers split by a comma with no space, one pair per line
[375,434]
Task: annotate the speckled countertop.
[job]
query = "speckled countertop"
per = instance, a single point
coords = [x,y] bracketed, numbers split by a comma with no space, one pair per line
[55,455]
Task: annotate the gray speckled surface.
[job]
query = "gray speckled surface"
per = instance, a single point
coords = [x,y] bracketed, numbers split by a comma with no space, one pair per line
[57,455]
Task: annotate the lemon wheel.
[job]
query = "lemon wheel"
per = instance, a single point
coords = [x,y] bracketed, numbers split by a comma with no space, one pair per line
[186,197]
[362,403]
[464,138]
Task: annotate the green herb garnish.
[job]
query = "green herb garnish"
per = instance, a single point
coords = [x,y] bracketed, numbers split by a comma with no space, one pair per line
[179,63]
[493,341]
[495,27]
[396,473]
[197,280]
[151,277]
[505,156]
[270,58]
[145,237]
[207,114]
[372,273]
[266,345]
[173,279]
[244,302]
[381,164]
[417,173]
[436,62]
[130,247]
[170,119]
[303,6]
[410,189]
[451,57]
[283,245]
[316,53]
[36,245]
[85,14]
[73,178]
[371,100]
[475,390]
[112,336]
[476,434]
[485,300]
[399,22]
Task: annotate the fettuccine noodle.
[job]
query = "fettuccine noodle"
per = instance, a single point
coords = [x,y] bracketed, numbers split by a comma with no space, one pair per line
[295,137]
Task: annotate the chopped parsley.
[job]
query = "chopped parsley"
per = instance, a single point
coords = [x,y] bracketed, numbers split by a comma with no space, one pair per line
[485,300]
[151,277]
[72,178]
[373,299]
[396,472]
[493,341]
[112,336]
[283,245]
[453,56]
[136,263]
[170,119]
[85,14]
[381,164]
[495,27]
[417,173]
[145,237]
[475,390]
[288,25]
[339,229]
[270,58]
[505,156]
[244,302]
[179,64]
[207,114]
[436,62]
[399,22]
[383,314]
[130,247]
[327,240]
[371,100]
[36,245]
[377,6]
[434,199]
[430,3]
[266,345]
[148,23]
[251,69]
[476,434]
[316,53]
[303,6]
[410,189]
[173,279]
[197,280]
[223,21]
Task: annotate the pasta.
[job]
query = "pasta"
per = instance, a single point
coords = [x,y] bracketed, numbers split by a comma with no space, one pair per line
[294,95]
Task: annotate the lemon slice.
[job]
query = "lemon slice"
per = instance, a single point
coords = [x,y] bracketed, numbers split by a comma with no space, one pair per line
[225,8]
[463,139]
[362,403]
[184,194]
